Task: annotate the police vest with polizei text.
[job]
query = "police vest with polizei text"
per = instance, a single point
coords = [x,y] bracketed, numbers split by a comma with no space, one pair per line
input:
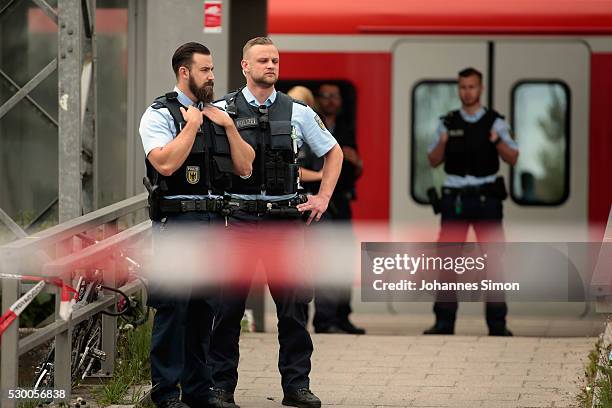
[268,130]
[468,150]
[207,168]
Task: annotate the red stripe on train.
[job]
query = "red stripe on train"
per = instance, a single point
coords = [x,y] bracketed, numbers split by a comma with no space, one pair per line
[369,74]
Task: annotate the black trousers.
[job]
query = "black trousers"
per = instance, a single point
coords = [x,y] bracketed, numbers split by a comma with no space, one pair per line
[484,214]
[182,324]
[278,245]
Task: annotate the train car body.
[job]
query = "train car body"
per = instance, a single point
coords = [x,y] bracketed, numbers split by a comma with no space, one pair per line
[547,67]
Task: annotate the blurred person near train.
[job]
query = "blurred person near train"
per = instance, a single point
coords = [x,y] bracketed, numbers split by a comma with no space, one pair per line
[332,301]
[470,141]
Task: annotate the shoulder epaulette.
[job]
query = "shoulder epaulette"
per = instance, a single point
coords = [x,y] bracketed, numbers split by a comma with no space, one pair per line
[497,114]
[448,116]
[299,102]
[230,94]
[230,102]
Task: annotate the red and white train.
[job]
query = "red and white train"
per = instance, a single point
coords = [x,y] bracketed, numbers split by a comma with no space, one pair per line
[547,66]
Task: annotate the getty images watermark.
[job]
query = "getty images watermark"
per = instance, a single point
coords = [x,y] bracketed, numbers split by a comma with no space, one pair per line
[477,271]
[426,264]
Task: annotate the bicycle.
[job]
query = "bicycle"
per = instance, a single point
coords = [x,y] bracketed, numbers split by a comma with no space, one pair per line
[87,354]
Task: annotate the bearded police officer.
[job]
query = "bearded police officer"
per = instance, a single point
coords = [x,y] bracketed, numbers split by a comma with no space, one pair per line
[275,126]
[181,144]
[470,142]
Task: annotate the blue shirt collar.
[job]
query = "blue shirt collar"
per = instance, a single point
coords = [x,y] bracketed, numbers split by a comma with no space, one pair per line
[476,116]
[250,98]
[182,98]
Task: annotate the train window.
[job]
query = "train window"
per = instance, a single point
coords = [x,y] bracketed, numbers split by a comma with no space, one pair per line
[540,118]
[430,100]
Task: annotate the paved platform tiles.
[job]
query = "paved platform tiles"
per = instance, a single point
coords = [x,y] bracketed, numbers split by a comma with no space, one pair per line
[423,371]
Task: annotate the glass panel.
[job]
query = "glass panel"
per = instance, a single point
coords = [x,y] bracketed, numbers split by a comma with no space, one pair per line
[541,122]
[28,139]
[112,42]
[430,100]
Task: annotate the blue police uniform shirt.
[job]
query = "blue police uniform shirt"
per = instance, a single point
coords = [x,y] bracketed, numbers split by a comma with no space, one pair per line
[157,129]
[500,126]
[307,128]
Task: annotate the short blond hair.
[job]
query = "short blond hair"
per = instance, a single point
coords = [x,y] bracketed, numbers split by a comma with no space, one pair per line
[255,41]
[301,93]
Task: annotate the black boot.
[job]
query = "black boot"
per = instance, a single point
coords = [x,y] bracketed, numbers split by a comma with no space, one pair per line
[172,403]
[503,332]
[350,328]
[208,401]
[302,398]
[441,328]
[225,396]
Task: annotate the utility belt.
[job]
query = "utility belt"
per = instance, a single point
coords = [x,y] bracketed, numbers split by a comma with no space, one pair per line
[497,189]
[227,205]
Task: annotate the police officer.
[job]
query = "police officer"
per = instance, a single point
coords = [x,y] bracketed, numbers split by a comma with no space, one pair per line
[333,303]
[470,142]
[276,126]
[176,139]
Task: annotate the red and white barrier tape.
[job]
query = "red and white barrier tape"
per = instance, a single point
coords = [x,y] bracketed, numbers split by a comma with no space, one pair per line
[67,300]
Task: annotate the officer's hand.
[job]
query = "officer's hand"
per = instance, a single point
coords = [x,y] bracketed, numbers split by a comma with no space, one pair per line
[192,115]
[316,204]
[217,116]
[443,137]
[494,136]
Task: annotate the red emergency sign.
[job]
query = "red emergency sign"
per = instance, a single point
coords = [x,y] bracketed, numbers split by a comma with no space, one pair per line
[212,16]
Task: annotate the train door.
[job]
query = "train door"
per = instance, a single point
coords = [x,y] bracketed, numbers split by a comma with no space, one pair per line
[541,88]
[424,87]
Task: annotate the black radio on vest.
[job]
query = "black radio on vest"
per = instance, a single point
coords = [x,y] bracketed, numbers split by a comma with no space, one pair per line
[268,130]
[468,150]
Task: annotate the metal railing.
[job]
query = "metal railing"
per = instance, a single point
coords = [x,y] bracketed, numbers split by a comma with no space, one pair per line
[58,252]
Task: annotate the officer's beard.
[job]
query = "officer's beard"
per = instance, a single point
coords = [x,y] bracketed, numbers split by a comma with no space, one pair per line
[266,81]
[205,93]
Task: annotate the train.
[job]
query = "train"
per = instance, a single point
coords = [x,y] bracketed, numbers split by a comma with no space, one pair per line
[547,67]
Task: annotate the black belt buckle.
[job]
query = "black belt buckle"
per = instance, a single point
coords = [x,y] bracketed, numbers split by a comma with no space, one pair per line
[264,206]
[210,205]
[249,206]
[187,206]
[198,205]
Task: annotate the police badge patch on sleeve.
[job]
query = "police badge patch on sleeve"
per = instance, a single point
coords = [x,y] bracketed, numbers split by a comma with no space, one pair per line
[319,122]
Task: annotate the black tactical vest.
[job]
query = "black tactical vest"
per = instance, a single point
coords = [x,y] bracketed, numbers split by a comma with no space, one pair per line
[468,150]
[268,131]
[208,166]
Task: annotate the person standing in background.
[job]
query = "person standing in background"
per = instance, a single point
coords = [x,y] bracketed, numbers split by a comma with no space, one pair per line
[470,142]
[333,303]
